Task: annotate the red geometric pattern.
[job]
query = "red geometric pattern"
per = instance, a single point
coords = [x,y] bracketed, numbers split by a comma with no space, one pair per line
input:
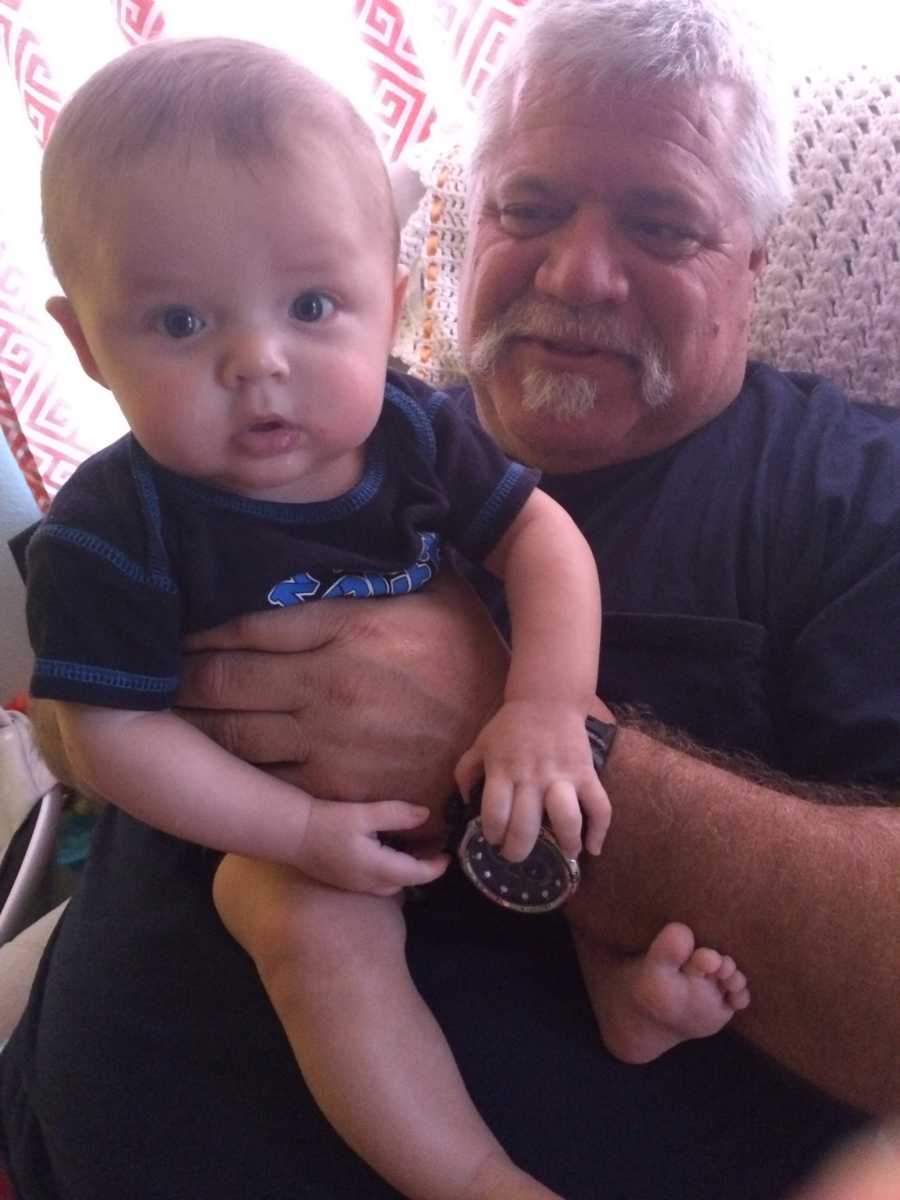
[41,430]
[140,20]
[402,110]
[12,431]
[29,68]
[476,33]
[23,353]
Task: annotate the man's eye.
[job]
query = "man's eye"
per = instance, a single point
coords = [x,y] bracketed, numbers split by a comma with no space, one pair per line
[528,220]
[672,241]
[179,322]
[311,306]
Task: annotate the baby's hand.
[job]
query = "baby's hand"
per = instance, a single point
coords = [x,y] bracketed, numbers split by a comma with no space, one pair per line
[535,758]
[341,847]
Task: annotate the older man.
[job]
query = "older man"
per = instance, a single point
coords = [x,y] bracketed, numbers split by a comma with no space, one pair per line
[747,525]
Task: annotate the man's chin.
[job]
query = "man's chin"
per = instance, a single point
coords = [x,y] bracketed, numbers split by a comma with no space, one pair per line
[565,396]
[560,442]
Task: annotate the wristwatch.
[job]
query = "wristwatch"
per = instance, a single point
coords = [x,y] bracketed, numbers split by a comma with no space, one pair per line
[546,878]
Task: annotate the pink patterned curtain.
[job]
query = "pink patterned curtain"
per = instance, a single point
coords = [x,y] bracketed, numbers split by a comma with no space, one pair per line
[412,63]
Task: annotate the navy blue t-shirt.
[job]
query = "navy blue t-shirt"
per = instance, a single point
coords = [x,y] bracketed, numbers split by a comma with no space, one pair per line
[132,556]
[752,594]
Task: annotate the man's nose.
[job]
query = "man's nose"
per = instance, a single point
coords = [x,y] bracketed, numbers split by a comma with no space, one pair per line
[253,356]
[583,263]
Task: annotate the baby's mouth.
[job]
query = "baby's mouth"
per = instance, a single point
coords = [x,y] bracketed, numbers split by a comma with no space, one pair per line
[267,425]
[268,435]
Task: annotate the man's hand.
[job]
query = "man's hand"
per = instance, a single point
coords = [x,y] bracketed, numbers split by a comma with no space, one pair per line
[353,700]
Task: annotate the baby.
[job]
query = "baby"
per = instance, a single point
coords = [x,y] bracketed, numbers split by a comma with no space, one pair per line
[221,223]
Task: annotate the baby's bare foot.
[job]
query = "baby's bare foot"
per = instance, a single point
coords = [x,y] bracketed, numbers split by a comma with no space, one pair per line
[672,993]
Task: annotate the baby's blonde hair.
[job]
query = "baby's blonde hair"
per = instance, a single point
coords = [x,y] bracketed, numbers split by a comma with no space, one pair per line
[239,99]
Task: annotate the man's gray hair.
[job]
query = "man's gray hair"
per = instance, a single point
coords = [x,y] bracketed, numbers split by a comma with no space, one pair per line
[635,43]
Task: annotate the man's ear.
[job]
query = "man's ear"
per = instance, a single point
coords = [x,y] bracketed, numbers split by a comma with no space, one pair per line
[61,310]
[759,256]
[401,279]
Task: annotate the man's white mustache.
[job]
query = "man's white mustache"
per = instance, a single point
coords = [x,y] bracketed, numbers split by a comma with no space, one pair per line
[544,321]
[587,329]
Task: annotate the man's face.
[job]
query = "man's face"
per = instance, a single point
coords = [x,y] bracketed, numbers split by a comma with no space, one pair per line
[609,275]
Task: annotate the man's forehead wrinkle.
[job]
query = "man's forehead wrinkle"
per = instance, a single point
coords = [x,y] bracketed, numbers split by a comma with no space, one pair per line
[705,110]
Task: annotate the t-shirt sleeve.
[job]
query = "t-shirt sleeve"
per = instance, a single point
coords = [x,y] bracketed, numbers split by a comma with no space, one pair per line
[486,490]
[104,626]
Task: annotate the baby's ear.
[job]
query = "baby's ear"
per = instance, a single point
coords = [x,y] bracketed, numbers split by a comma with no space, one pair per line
[61,310]
[401,279]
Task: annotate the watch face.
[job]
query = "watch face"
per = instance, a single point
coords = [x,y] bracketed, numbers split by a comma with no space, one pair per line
[544,881]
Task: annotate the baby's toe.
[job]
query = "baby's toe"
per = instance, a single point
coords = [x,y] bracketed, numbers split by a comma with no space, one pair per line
[735,982]
[738,1000]
[704,961]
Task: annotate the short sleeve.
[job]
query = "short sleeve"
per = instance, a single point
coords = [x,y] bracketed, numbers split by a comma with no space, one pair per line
[486,489]
[104,630]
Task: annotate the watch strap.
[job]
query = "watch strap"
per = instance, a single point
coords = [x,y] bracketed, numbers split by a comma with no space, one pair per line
[601,735]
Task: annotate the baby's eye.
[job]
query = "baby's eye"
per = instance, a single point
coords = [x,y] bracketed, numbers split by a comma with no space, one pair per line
[179,322]
[311,306]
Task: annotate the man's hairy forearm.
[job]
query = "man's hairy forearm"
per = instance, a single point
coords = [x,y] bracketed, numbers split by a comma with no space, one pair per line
[801,889]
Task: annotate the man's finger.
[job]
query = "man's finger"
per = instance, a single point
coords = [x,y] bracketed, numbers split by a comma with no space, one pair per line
[245,680]
[260,738]
[300,627]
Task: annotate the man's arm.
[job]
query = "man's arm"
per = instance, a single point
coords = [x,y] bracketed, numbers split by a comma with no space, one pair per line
[802,890]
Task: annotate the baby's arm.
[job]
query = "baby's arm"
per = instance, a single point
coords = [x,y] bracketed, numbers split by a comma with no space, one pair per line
[534,754]
[168,774]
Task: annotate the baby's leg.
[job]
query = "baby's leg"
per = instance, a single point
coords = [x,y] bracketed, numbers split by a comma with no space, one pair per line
[647,1004]
[333,964]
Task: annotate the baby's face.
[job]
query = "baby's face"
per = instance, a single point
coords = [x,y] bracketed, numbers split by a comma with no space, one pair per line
[242,315]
